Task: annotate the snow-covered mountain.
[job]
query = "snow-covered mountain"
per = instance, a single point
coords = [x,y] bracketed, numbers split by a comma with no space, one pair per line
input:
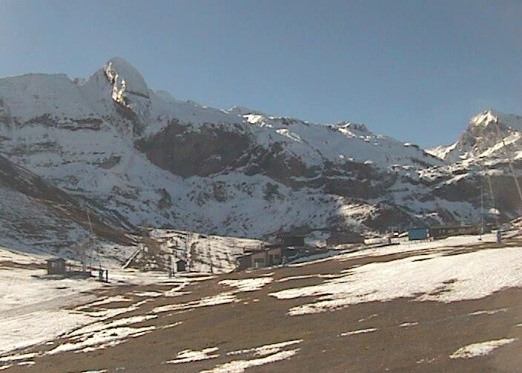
[490,134]
[490,150]
[160,162]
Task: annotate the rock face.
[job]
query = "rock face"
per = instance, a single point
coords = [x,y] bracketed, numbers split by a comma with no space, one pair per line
[147,159]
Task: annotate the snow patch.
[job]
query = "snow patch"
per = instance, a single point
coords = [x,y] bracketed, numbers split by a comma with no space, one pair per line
[188,356]
[408,324]
[247,284]
[480,349]
[266,349]
[215,300]
[263,355]
[239,366]
[101,339]
[442,278]
[360,331]
[488,312]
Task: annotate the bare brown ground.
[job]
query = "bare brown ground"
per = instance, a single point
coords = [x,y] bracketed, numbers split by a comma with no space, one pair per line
[436,331]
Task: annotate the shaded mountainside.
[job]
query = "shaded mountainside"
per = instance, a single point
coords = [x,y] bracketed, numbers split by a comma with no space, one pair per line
[143,158]
[37,215]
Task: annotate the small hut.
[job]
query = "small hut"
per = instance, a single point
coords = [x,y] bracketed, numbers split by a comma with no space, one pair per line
[181,265]
[56,266]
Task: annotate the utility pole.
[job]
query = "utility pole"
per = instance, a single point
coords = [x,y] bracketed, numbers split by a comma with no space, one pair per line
[188,249]
[481,211]
[89,242]
[492,198]
[209,255]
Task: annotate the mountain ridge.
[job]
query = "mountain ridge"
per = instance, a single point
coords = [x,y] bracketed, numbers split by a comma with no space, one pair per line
[160,162]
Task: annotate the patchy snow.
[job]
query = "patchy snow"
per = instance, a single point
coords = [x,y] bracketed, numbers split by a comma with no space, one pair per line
[240,366]
[360,331]
[87,330]
[32,308]
[148,294]
[262,355]
[443,278]
[266,349]
[35,309]
[17,357]
[446,244]
[488,312]
[188,356]
[304,277]
[101,339]
[247,284]
[214,300]
[480,349]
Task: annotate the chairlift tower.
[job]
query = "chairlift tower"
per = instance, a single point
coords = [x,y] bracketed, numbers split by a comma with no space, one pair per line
[481,210]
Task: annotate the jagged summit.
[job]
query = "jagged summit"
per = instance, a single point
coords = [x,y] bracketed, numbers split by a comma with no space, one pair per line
[242,111]
[489,132]
[125,78]
[486,117]
[492,117]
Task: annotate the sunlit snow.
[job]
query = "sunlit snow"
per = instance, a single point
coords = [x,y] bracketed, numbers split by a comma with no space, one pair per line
[480,349]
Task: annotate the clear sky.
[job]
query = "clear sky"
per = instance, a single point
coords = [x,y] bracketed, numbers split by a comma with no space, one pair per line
[411,69]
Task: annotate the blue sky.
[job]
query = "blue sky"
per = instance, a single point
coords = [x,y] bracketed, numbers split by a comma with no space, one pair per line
[413,70]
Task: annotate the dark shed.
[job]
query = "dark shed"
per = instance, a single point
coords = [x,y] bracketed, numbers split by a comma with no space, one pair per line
[292,240]
[244,261]
[181,265]
[56,266]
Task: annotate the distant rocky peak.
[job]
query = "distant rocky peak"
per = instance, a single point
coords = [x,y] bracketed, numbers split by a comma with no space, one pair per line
[490,118]
[485,118]
[125,78]
[129,91]
[352,129]
[241,111]
[358,127]
[490,133]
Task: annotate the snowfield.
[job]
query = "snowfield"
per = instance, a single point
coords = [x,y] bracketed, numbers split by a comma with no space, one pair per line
[438,276]
[35,309]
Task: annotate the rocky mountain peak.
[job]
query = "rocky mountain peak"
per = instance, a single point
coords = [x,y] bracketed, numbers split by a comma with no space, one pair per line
[129,91]
[487,134]
[486,118]
[125,79]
